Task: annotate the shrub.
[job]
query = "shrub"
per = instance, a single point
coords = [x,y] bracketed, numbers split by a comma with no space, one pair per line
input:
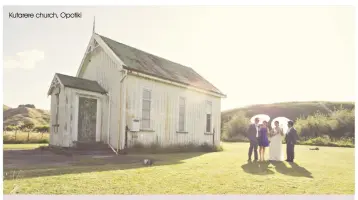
[340,123]
[236,127]
[10,128]
[42,129]
[180,148]
[327,141]
[345,120]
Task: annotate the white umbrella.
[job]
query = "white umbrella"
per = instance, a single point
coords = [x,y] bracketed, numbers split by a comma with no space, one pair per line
[262,117]
[283,123]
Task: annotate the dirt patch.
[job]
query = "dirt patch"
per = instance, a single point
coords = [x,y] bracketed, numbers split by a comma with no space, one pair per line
[25,159]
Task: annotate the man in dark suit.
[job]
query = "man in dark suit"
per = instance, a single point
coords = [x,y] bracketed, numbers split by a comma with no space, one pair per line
[291,139]
[252,135]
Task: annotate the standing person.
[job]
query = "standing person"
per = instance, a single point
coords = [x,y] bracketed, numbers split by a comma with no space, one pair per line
[276,143]
[291,140]
[252,135]
[263,140]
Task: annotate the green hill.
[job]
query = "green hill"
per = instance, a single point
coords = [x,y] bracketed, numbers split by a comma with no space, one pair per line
[14,116]
[5,107]
[291,110]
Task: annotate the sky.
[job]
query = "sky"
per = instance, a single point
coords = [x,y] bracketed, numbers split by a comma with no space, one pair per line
[253,54]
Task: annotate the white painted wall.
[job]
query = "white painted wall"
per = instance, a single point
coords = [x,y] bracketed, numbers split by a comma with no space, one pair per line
[58,138]
[165,113]
[104,70]
[68,116]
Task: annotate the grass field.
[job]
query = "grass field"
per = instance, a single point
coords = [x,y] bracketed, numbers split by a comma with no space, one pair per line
[22,146]
[22,137]
[329,170]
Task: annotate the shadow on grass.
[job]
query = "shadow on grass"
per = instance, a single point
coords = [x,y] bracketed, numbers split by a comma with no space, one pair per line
[30,163]
[295,169]
[257,168]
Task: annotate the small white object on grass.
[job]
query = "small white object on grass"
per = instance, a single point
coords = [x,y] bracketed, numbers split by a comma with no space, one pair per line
[147,162]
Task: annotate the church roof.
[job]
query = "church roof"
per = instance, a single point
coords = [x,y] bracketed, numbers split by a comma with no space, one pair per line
[146,63]
[80,83]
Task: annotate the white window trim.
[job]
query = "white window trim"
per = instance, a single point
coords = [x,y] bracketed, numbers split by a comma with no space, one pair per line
[185,115]
[211,117]
[150,111]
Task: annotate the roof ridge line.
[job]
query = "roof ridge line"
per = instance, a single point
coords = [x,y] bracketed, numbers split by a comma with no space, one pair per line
[75,77]
[146,52]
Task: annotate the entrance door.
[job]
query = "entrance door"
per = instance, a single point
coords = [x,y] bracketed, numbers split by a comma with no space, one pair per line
[87,117]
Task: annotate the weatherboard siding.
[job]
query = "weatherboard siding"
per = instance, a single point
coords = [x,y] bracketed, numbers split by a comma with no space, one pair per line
[104,70]
[58,138]
[66,135]
[165,113]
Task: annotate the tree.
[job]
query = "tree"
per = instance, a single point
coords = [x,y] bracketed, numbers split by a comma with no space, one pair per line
[15,128]
[28,126]
[9,128]
[4,128]
[42,130]
[236,127]
[26,106]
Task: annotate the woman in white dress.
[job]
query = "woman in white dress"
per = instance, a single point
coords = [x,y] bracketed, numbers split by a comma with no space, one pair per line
[276,153]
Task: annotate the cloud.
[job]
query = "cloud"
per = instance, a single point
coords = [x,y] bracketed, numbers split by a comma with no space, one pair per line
[24,60]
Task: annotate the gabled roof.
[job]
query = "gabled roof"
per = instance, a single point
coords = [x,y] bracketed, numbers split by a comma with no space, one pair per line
[146,63]
[80,83]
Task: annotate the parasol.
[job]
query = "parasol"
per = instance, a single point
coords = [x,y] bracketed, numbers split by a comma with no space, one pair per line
[283,123]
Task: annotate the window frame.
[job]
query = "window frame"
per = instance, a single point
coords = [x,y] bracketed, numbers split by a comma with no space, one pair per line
[150,100]
[182,128]
[208,117]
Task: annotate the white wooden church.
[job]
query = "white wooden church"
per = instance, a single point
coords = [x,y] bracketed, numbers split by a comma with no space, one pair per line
[121,96]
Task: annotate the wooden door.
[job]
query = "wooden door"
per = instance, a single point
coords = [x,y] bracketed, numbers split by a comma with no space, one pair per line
[87,118]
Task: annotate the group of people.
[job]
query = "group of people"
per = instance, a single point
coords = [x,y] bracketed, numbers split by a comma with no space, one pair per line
[261,137]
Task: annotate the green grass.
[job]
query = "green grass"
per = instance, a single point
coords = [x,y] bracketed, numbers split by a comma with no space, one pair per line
[21,146]
[329,170]
[5,107]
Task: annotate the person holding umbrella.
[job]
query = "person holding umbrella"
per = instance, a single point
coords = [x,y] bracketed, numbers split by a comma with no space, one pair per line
[279,129]
[276,143]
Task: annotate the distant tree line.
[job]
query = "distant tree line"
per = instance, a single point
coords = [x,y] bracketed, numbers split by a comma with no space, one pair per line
[27,127]
[337,125]
[26,106]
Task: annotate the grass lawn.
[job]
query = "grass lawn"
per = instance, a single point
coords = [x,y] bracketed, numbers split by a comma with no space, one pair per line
[327,171]
[21,146]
